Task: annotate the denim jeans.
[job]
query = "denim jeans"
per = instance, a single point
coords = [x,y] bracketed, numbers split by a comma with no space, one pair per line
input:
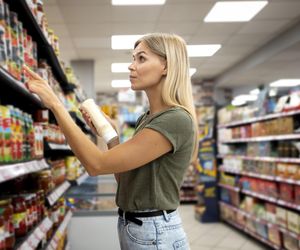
[163,232]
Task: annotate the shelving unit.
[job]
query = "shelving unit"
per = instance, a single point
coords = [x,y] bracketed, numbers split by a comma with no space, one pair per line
[11,171]
[35,237]
[57,193]
[45,50]
[14,92]
[59,232]
[247,170]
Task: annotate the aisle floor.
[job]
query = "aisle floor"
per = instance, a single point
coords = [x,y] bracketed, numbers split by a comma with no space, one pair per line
[214,236]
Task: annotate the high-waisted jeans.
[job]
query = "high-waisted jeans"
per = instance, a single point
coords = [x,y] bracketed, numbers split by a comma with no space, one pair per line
[163,232]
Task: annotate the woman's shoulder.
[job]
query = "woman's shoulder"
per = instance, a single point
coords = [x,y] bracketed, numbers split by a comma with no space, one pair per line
[175,115]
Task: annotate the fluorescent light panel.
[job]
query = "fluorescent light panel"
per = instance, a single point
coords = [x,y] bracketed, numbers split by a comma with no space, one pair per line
[203,50]
[285,83]
[254,92]
[234,11]
[120,83]
[124,41]
[120,67]
[138,2]
[192,71]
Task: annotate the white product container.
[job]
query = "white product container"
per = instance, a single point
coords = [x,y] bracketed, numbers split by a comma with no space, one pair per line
[103,127]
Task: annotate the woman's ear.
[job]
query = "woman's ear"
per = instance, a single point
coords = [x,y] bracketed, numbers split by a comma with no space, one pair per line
[165,71]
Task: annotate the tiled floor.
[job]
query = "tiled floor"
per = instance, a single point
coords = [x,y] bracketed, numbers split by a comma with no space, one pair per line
[214,236]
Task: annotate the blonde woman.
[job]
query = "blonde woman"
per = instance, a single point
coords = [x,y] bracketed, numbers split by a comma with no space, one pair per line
[149,167]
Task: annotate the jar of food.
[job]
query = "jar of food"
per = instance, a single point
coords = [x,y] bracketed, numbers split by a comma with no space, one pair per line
[19,216]
[7,211]
[41,204]
[29,217]
[45,181]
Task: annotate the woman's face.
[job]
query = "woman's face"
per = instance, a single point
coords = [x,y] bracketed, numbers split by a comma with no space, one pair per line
[147,68]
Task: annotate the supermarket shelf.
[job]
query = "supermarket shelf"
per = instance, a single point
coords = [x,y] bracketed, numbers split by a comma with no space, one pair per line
[55,146]
[259,176]
[45,50]
[58,192]
[80,179]
[270,199]
[261,239]
[264,138]
[11,171]
[260,196]
[261,221]
[31,242]
[57,149]
[261,158]
[62,227]
[236,189]
[258,119]
[8,82]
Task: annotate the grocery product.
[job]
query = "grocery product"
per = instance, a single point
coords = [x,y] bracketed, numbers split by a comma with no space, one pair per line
[103,127]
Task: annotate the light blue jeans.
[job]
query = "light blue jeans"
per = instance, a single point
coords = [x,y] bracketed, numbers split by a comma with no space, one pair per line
[163,232]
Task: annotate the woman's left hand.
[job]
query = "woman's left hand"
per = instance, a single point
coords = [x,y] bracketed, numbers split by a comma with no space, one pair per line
[39,86]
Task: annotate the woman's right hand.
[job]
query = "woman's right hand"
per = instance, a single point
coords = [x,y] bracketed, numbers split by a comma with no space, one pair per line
[39,86]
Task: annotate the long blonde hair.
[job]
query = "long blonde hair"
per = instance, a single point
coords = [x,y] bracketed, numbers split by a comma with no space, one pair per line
[177,87]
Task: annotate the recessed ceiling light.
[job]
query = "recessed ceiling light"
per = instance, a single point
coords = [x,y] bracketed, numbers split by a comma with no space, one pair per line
[124,41]
[120,67]
[234,11]
[192,71]
[285,83]
[254,92]
[138,2]
[120,83]
[203,50]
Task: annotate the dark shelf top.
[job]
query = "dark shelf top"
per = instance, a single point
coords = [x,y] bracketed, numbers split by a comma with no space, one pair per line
[9,84]
[45,50]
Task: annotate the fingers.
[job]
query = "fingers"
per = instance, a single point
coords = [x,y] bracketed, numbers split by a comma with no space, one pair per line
[32,74]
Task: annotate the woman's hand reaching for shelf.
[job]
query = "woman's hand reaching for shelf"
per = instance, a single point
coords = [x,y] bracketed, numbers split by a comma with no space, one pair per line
[39,86]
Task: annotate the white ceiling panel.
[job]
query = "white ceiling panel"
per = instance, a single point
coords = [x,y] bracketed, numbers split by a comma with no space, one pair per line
[264,26]
[248,39]
[94,29]
[135,13]
[179,27]
[278,10]
[219,28]
[90,43]
[86,14]
[209,39]
[185,12]
[129,28]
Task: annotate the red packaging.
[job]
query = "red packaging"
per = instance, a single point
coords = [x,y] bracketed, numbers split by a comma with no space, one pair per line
[297,195]
[286,192]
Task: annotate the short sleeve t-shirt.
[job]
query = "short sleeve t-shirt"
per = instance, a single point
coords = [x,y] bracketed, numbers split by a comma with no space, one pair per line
[156,185]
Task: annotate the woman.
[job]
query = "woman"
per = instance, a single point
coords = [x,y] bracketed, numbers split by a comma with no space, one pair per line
[149,167]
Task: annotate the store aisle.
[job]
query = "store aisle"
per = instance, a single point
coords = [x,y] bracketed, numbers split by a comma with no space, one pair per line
[214,236]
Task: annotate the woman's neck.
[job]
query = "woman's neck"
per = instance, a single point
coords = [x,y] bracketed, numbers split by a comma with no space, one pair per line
[156,103]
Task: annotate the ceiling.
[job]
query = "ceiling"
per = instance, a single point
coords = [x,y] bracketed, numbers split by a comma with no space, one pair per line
[85,28]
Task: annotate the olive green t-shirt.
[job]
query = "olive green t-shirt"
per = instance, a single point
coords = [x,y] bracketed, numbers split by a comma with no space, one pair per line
[156,185]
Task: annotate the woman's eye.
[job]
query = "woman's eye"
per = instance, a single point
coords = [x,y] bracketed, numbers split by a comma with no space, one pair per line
[141,58]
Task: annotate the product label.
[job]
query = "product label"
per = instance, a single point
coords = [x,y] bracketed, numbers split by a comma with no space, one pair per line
[18,219]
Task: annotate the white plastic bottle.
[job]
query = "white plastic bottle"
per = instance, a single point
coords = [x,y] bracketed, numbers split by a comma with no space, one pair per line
[103,127]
